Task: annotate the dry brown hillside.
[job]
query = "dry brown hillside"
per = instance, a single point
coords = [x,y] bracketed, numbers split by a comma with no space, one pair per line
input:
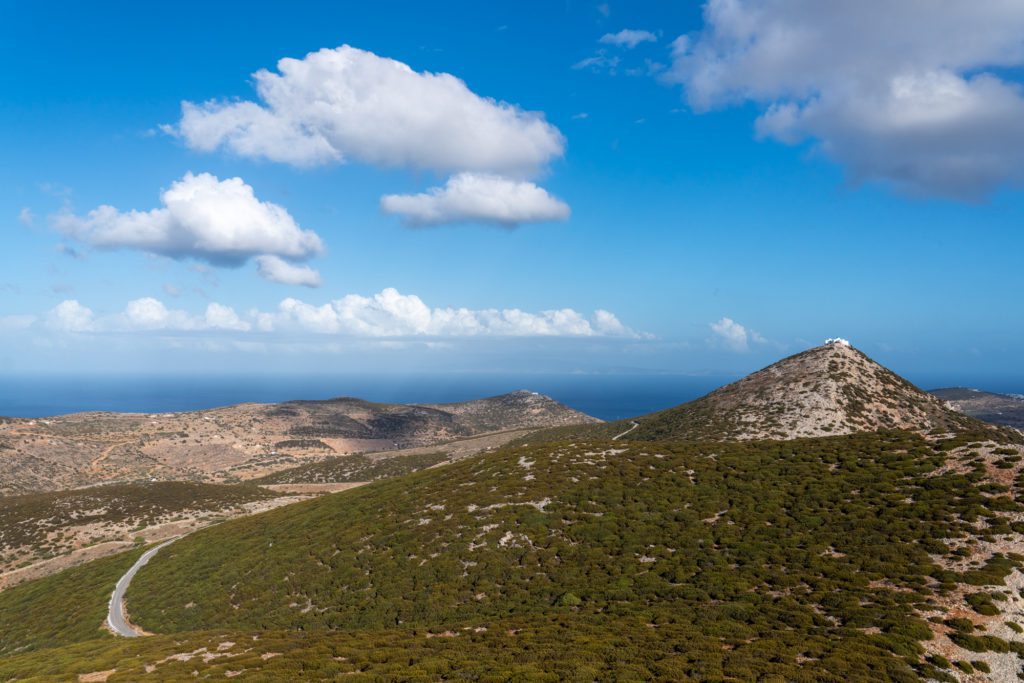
[246,441]
[1001,409]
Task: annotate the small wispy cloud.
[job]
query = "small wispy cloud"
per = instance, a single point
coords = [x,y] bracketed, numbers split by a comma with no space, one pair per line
[478,198]
[734,336]
[601,61]
[282,272]
[628,38]
[70,251]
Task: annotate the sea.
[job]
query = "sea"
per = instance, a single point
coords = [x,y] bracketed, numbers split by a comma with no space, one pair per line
[609,397]
[606,396]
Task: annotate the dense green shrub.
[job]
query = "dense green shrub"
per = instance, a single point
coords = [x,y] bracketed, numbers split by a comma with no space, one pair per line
[982,603]
[803,560]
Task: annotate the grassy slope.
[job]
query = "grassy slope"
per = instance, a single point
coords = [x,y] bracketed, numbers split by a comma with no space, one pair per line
[730,540]
[27,519]
[348,468]
[563,646]
[675,560]
[69,607]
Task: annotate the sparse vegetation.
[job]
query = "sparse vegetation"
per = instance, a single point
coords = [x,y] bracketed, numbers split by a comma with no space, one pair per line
[873,554]
[49,526]
[32,519]
[805,560]
[227,445]
[354,468]
[994,408]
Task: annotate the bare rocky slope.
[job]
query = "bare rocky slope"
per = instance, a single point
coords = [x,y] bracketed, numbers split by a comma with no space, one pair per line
[246,441]
[827,390]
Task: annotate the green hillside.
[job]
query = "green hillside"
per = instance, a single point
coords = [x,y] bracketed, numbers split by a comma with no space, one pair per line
[69,607]
[563,646]
[816,559]
[30,519]
[349,468]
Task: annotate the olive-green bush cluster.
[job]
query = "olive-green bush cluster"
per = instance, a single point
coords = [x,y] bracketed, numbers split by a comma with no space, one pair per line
[64,608]
[826,537]
[349,468]
[561,646]
[800,560]
[29,518]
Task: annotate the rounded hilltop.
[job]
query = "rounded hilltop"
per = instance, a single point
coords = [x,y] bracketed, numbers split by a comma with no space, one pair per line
[826,390]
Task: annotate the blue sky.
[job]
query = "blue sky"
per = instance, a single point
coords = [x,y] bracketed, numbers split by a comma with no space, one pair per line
[704,204]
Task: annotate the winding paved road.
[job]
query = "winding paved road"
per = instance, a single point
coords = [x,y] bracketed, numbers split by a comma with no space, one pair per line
[619,436]
[117,617]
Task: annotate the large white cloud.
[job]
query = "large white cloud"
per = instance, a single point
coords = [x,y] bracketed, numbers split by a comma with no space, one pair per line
[339,104]
[387,314]
[475,197]
[218,221]
[392,314]
[905,92]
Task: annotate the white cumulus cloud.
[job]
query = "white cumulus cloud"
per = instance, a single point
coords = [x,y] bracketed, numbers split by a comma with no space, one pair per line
[220,317]
[71,316]
[152,314]
[342,104]
[140,315]
[278,270]
[734,336]
[388,314]
[392,314]
[218,221]
[629,38]
[475,197]
[912,93]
